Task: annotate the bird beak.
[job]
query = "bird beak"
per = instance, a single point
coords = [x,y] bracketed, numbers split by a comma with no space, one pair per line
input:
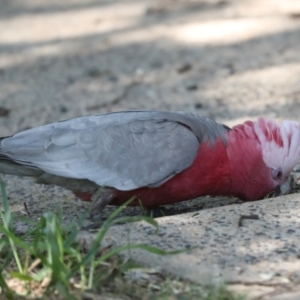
[277,191]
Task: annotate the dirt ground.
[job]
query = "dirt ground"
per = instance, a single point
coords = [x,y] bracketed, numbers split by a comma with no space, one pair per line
[229,59]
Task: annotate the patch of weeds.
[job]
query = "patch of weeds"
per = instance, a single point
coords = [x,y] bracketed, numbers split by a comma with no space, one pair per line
[48,258]
[48,263]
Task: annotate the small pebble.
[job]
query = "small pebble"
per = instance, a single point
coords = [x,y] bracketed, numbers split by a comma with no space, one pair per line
[198,105]
[94,72]
[184,68]
[63,109]
[112,78]
[71,80]
[191,86]
[4,112]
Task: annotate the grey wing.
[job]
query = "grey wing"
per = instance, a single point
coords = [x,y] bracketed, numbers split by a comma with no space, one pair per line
[122,150]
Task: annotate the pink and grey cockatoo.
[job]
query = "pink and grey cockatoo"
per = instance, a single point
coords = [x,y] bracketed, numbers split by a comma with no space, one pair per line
[158,157]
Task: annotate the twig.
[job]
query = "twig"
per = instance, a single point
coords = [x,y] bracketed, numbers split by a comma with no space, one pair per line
[26,209]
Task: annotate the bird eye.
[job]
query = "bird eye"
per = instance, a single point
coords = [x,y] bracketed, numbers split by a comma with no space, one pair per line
[276,173]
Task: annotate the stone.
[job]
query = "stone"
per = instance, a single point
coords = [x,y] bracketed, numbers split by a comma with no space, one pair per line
[218,249]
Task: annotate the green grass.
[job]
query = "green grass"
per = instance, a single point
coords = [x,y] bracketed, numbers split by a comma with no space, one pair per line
[48,262]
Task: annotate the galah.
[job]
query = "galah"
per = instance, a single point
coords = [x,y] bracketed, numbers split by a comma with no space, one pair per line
[158,157]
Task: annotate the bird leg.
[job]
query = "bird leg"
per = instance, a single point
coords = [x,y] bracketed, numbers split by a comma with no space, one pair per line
[99,201]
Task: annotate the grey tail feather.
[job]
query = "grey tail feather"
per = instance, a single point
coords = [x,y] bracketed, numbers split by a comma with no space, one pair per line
[10,167]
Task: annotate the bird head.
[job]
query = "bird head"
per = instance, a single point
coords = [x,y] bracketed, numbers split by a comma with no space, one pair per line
[280,146]
[264,154]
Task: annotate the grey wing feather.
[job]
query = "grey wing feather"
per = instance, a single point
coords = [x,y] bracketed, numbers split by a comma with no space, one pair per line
[125,150]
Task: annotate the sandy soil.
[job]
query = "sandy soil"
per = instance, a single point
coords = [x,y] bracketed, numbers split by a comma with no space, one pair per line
[231,60]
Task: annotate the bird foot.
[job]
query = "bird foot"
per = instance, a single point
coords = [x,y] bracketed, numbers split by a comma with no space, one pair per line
[99,201]
[161,212]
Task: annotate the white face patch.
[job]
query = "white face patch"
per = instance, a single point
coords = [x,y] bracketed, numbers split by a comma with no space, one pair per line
[280,143]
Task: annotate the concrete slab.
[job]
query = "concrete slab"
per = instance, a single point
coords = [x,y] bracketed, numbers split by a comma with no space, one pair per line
[254,243]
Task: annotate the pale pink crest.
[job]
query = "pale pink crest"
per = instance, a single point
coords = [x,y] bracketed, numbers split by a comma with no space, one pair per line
[280,143]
